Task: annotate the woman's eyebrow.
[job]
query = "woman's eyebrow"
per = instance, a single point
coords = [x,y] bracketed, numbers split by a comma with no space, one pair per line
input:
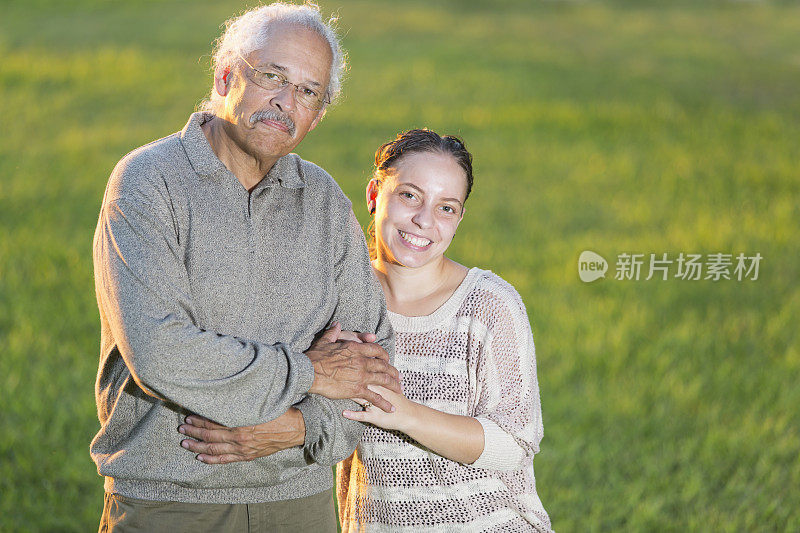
[456,200]
[411,185]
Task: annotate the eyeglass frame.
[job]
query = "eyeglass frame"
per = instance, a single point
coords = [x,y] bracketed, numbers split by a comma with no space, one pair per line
[284,83]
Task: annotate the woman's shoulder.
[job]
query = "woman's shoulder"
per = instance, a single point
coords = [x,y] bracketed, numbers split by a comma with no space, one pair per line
[491,299]
[494,287]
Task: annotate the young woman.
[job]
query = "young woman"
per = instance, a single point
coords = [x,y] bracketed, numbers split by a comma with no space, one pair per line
[457,452]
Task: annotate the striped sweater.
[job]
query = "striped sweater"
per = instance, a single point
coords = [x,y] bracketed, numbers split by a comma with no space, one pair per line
[473,356]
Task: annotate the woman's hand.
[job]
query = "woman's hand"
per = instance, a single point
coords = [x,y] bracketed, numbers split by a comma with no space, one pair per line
[356,336]
[455,437]
[404,418]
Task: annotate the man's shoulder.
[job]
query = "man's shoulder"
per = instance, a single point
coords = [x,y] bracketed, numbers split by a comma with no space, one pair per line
[319,181]
[141,171]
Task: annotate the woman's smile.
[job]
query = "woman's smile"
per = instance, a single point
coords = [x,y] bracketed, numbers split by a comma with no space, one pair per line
[415,242]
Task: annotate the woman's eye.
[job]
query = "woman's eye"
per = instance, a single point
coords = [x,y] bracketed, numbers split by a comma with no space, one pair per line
[448,209]
[408,195]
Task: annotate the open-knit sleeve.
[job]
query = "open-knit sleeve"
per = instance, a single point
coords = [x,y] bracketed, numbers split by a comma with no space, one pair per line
[507,397]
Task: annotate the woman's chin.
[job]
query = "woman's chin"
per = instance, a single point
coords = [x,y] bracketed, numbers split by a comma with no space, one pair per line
[401,255]
[413,260]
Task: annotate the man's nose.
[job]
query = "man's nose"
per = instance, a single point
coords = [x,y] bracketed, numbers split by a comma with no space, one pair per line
[284,99]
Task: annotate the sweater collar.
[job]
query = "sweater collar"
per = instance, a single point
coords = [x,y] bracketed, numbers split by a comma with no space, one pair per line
[286,171]
[419,324]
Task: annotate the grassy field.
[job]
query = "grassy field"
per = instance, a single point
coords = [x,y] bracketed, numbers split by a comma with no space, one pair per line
[613,127]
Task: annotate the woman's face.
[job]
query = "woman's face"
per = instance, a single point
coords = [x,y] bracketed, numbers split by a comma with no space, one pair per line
[418,208]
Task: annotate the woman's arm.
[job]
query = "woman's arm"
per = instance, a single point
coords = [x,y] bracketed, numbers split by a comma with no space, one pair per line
[455,437]
[507,426]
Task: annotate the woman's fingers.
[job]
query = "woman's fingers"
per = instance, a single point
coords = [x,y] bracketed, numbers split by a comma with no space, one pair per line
[378,401]
[356,336]
[360,416]
[332,333]
[350,336]
[367,337]
[378,389]
[370,416]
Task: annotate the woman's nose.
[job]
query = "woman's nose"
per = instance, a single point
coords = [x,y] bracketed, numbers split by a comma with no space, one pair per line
[423,217]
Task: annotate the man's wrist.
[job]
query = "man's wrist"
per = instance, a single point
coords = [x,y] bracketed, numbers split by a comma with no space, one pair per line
[309,373]
[299,427]
[314,380]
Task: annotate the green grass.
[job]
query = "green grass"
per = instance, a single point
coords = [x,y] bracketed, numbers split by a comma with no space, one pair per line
[616,127]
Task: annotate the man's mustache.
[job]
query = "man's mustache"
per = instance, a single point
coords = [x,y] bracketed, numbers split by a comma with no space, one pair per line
[276,116]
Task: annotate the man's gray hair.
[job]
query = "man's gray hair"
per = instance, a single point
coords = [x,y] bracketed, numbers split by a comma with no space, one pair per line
[248,32]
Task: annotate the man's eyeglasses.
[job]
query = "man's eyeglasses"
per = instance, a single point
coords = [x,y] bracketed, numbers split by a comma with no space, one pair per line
[275,81]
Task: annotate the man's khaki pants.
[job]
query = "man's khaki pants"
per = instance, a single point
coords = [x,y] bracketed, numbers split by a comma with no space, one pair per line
[311,514]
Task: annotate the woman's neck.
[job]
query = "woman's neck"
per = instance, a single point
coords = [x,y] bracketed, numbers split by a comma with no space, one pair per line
[418,291]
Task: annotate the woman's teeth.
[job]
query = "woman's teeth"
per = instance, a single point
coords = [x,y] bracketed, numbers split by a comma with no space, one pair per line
[416,241]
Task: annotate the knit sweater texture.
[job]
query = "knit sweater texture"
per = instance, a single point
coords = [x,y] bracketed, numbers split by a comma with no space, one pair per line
[474,356]
[208,297]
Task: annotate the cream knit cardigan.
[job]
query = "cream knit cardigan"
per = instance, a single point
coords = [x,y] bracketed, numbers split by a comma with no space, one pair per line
[473,356]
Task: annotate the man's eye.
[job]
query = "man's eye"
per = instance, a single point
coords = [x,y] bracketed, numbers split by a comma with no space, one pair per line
[309,92]
[272,76]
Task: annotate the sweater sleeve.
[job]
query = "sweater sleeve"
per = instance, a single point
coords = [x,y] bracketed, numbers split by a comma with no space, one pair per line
[507,400]
[143,290]
[500,450]
[361,307]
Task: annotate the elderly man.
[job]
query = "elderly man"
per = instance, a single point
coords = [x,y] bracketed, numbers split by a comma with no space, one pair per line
[220,260]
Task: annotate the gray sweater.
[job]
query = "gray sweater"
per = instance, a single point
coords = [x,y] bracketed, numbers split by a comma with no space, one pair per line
[208,296]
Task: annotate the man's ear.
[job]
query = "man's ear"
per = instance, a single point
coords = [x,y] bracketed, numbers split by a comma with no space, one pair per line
[222,80]
[320,114]
[372,194]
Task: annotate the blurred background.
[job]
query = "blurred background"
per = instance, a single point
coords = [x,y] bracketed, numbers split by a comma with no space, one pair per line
[617,127]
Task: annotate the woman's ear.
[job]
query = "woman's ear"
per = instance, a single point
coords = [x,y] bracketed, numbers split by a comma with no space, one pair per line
[372,195]
[458,222]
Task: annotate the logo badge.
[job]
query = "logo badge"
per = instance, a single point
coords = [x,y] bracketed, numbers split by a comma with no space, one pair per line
[591,266]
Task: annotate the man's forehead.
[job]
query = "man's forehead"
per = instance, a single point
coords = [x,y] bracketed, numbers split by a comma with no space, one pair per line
[289,46]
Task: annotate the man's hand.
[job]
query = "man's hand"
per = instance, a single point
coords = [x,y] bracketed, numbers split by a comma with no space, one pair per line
[344,368]
[217,444]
